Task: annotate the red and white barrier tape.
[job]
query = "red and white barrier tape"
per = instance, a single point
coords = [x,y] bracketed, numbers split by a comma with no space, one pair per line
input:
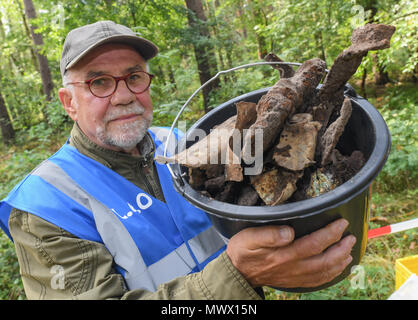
[393,228]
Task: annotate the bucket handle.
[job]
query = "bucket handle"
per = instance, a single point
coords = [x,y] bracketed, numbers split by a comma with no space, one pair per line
[175,176]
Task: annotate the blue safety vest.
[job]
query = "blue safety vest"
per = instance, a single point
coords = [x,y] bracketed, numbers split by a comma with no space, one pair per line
[151,242]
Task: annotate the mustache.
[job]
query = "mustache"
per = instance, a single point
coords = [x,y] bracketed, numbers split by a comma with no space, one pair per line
[134,108]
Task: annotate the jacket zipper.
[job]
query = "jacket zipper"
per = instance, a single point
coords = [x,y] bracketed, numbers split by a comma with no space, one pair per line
[146,171]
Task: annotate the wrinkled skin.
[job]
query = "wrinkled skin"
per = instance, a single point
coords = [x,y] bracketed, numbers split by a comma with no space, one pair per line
[270,256]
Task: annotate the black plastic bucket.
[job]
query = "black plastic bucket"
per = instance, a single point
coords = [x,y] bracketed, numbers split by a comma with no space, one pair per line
[365,131]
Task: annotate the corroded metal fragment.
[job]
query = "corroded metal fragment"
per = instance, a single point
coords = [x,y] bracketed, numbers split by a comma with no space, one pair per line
[345,167]
[281,101]
[331,94]
[366,38]
[247,197]
[321,182]
[275,186]
[233,169]
[197,178]
[296,149]
[246,115]
[285,71]
[332,134]
[210,150]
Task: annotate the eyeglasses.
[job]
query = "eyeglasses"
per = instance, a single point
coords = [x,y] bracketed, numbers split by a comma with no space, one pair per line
[106,85]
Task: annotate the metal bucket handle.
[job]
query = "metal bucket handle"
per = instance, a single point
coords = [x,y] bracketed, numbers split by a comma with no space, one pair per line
[173,175]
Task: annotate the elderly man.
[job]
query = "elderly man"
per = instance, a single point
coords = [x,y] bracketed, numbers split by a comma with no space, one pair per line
[101,220]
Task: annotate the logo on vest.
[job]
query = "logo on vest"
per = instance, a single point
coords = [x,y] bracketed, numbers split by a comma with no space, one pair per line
[143,201]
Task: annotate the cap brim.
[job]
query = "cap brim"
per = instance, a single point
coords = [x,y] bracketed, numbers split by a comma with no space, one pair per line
[144,47]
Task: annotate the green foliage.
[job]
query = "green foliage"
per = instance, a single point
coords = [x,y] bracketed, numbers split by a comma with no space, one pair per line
[378,284]
[401,58]
[11,287]
[17,165]
[400,111]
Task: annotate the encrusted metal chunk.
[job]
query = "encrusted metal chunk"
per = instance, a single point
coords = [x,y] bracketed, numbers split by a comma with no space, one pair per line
[275,186]
[282,100]
[285,71]
[296,149]
[332,134]
[321,182]
[209,150]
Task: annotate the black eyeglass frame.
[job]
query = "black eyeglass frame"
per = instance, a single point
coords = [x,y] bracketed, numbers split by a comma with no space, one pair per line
[117,79]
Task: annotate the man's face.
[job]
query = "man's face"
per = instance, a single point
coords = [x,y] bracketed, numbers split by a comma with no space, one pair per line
[118,122]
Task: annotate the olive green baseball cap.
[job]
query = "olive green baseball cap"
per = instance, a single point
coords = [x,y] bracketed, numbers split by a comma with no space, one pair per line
[80,41]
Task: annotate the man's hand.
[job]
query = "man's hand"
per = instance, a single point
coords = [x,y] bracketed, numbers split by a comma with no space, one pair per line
[268,255]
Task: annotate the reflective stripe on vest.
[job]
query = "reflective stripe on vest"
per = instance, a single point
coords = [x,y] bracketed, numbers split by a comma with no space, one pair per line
[116,237]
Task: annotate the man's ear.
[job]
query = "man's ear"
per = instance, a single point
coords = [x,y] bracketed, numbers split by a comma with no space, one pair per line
[66,97]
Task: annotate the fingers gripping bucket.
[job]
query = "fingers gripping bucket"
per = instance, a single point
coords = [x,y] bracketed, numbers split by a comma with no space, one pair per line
[366,131]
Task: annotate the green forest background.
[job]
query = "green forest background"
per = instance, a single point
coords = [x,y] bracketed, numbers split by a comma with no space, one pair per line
[198,38]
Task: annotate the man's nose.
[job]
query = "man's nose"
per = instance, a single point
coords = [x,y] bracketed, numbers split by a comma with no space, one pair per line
[122,95]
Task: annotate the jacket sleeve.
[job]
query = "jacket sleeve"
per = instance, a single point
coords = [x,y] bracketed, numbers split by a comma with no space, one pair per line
[55,264]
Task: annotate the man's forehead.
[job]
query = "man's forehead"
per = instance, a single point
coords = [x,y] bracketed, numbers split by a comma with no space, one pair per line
[108,57]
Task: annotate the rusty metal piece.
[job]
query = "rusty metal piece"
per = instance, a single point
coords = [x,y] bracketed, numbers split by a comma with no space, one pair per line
[233,169]
[296,149]
[246,115]
[344,167]
[228,192]
[215,185]
[321,182]
[282,100]
[331,94]
[285,71]
[332,134]
[247,197]
[215,171]
[275,186]
[197,178]
[209,150]
[365,38]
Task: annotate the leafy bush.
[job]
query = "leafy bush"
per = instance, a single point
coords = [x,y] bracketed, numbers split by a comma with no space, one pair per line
[10,282]
[400,111]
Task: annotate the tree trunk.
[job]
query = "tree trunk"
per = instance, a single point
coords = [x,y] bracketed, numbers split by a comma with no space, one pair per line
[3,39]
[5,123]
[381,77]
[241,16]
[42,60]
[220,48]
[260,18]
[320,44]
[363,83]
[171,77]
[26,27]
[203,50]
[262,46]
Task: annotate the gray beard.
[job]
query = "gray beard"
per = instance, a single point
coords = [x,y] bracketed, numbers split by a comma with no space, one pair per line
[125,136]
